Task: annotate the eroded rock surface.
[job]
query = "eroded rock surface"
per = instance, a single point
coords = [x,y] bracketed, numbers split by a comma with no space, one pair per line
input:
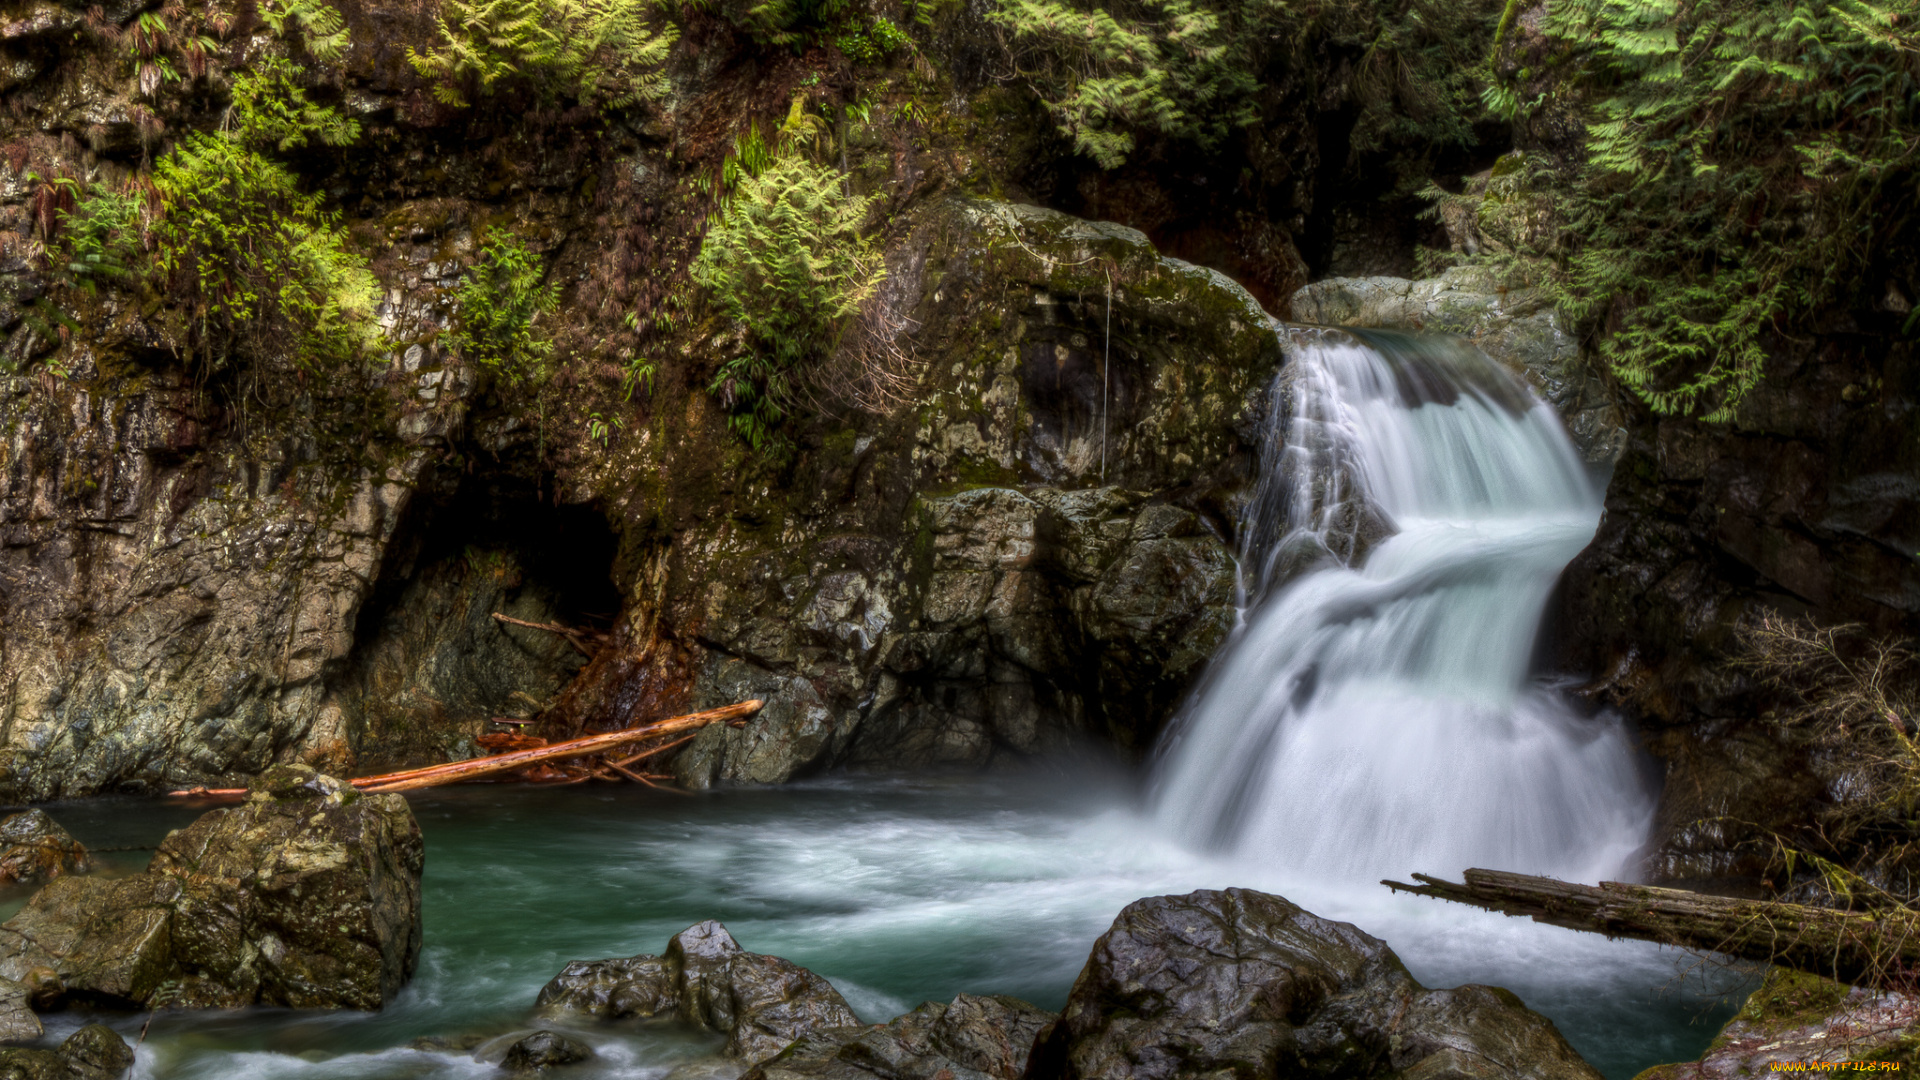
[1243,984]
[34,848]
[707,980]
[307,896]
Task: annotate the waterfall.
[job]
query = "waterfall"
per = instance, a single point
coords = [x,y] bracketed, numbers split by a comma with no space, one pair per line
[1374,712]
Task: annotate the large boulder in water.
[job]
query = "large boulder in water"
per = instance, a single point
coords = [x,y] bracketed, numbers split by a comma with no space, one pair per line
[95,1052]
[1243,984]
[706,979]
[307,896]
[972,1038]
[34,848]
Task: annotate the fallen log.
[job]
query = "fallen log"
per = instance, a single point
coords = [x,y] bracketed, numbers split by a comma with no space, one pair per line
[457,771]
[1852,947]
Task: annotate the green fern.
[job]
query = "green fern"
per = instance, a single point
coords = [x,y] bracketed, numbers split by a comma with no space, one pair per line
[784,258]
[270,109]
[317,25]
[253,266]
[1742,157]
[496,307]
[611,49]
[1189,70]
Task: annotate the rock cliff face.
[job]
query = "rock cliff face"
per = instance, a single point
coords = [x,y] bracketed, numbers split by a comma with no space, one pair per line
[1807,504]
[1035,548]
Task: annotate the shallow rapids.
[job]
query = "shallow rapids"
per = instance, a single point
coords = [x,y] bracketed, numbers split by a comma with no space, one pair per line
[897,892]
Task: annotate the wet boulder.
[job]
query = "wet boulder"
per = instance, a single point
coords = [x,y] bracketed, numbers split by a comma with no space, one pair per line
[543,1050]
[1243,984]
[95,1052]
[706,979]
[34,848]
[971,1038]
[306,896]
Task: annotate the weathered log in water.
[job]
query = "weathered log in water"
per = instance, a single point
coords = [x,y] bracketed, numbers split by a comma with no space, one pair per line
[1853,947]
[477,768]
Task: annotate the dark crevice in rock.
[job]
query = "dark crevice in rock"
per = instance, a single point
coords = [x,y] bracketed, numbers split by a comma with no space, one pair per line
[430,665]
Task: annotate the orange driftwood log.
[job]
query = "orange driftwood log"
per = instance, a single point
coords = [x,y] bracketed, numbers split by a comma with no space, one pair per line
[457,771]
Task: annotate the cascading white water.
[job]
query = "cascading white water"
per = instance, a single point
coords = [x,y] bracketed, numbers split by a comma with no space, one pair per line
[1374,713]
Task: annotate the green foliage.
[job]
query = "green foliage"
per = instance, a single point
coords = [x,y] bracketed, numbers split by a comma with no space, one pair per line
[784,258]
[496,306]
[101,238]
[601,49]
[316,24]
[1747,162]
[792,23]
[873,43]
[239,262]
[153,40]
[270,109]
[1189,70]
[252,265]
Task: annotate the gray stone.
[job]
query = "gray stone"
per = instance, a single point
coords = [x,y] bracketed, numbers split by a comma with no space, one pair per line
[706,980]
[1240,983]
[972,1038]
[544,1050]
[95,1052]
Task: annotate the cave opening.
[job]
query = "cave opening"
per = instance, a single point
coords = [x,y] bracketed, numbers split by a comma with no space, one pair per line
[433,665]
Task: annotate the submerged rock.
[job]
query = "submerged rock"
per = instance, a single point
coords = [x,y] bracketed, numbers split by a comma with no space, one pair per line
[971,1038]
[34,848]
[307,896]
[95,1052]
[1243,984]
[706,979]
[543,1050]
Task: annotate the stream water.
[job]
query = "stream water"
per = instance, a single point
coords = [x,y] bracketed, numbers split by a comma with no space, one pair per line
[1372,716]
[898,892]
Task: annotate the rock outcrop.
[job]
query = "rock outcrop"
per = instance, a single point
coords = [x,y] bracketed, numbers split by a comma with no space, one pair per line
[1807,503]
[1032,551]
[705,979]
[1036,551]
[1240,983]
[970,1038]
[18,1022]
[307,896]
[34,849]
[95,1052]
